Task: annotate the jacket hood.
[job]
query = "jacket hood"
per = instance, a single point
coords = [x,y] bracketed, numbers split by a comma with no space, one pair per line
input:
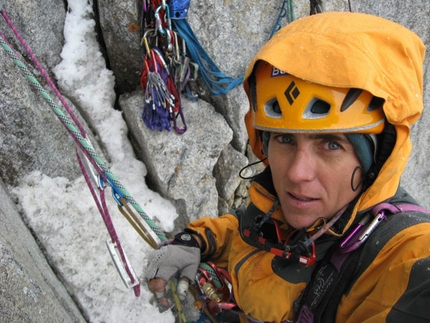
[355,50]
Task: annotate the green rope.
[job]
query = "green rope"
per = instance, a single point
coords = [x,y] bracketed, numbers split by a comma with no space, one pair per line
[212,274]
[81,141]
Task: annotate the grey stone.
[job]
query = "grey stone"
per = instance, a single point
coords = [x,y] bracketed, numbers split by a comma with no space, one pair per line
[180,166]
[30,291]
[226,172]
[119,29]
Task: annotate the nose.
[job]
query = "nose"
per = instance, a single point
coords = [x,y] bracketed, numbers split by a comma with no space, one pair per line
[301,165]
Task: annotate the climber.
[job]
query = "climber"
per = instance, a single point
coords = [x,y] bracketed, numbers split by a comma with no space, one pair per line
[328,235]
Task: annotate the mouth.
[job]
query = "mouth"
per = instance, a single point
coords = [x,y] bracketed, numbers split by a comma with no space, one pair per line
[302,198]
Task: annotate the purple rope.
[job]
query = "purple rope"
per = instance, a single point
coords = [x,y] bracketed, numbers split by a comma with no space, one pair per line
[103,209]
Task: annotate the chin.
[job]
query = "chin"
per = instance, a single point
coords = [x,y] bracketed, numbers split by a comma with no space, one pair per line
[299,224]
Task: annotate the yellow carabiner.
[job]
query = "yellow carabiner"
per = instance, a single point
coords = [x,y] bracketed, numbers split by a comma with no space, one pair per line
[144,41]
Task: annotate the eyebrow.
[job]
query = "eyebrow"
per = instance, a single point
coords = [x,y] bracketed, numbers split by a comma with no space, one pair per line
[329,137]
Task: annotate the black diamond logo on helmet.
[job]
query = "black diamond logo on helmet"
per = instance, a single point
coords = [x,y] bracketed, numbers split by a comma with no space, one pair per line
[292,92]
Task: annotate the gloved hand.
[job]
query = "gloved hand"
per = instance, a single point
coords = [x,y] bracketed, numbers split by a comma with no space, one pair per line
[182,258]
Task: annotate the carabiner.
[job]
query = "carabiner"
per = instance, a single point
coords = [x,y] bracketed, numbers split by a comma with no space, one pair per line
[116,193]
[129,278]
[372,226]
[144,41]
[158,21]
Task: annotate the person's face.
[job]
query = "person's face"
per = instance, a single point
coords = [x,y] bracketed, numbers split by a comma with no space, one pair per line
[312,175]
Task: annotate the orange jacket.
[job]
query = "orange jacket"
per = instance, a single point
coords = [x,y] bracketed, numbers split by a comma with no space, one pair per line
[392,280]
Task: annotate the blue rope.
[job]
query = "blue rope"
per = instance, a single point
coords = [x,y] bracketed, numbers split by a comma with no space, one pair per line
[217,81]
[214,78]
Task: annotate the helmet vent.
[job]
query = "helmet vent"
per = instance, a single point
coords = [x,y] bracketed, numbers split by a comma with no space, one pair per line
[316,109]
[272,108]
[350,98]
[376,103]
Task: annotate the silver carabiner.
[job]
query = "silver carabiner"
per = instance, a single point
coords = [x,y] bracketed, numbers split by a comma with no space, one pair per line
[372,226]
[129,281]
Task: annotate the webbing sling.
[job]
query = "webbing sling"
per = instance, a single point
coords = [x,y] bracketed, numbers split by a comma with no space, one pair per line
[331,279]
[214,78]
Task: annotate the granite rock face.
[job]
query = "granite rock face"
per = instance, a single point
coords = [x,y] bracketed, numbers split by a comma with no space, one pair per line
[30,290]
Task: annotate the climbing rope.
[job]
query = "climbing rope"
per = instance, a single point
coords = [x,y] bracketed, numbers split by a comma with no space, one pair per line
[77,132]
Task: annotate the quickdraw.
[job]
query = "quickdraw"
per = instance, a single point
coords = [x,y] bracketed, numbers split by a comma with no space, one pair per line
[162,101]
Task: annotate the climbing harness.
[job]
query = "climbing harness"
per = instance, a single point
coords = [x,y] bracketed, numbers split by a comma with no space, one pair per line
[264,232]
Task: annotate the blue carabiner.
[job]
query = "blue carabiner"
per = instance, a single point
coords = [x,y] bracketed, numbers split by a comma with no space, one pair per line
[116,193]
[158,22]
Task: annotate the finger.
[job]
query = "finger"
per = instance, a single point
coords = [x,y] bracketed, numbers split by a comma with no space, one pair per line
[157,285]
[182,288]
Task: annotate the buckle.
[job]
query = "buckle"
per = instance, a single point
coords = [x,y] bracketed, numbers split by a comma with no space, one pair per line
[308,260]
[303,252]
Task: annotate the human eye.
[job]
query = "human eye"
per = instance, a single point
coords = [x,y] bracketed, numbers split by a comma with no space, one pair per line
[284,138]
[333,145]
[331,142]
